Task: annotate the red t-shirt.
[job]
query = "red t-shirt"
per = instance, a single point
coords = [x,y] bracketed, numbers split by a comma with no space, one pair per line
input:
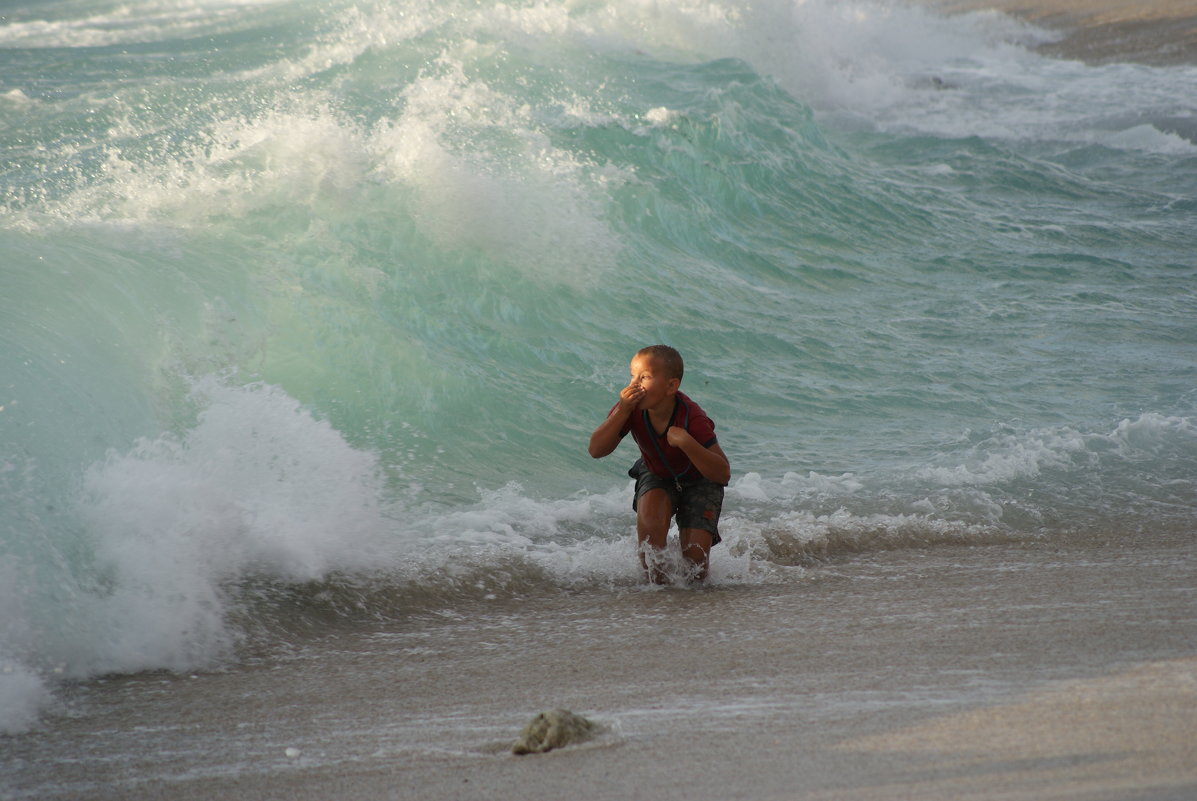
[686,414]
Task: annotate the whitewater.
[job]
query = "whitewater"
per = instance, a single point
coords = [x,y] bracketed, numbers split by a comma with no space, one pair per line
[307,309]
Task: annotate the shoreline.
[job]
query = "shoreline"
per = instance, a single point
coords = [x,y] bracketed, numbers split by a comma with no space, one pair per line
[1156,33]
[1024,672]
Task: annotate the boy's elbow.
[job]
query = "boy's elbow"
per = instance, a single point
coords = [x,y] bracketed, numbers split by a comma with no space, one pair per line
[724,473]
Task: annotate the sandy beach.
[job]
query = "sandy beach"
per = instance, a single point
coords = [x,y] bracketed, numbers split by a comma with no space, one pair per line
[1099,31]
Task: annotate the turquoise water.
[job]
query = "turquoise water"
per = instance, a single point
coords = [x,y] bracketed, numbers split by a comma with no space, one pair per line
[305,301]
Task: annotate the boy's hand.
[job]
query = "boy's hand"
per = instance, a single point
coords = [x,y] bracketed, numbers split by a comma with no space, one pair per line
[711,461]
[630,397]
[678,437]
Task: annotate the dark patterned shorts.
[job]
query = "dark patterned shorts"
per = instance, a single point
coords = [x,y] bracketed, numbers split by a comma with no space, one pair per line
[698,505]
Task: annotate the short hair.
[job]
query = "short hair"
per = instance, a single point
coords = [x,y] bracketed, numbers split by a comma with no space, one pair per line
[669,358]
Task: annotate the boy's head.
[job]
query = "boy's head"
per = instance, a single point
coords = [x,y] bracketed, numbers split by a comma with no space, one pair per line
[667,359]
[658,371]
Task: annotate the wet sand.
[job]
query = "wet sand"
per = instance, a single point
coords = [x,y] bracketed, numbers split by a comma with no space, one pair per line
[1023,672]
[1157,32]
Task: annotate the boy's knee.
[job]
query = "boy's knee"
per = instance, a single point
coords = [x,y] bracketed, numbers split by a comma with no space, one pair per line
[654,509]
[696,550]
[653,533]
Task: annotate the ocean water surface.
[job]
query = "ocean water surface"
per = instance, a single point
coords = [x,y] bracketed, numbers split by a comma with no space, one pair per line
[307,309]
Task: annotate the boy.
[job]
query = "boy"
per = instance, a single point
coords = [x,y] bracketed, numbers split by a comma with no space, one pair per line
[682,469]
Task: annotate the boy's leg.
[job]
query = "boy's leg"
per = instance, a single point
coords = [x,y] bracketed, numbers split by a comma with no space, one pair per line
[696,548]
[654,509]
[698,525]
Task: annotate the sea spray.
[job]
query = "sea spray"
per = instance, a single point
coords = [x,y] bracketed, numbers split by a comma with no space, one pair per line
[144,570]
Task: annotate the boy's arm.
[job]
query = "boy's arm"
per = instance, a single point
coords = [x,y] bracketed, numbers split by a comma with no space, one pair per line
[606,437]
[711,462]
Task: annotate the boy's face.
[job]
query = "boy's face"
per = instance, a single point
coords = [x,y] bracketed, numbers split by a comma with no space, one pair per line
[649,374]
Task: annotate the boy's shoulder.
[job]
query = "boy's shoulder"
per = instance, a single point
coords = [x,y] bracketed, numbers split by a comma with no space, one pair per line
[692,407]
[696,421]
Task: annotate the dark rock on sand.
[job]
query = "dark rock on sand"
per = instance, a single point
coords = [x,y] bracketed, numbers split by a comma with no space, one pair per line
[553,729]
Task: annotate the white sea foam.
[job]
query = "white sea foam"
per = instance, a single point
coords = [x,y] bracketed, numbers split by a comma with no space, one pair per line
[510,193]
[799,537]
[1008,457]
[257,489]
[1146,137]
[1151,434]
[1011,457]
[908,68]
[752,486]
[485,177]
[488,178]
[306,156]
